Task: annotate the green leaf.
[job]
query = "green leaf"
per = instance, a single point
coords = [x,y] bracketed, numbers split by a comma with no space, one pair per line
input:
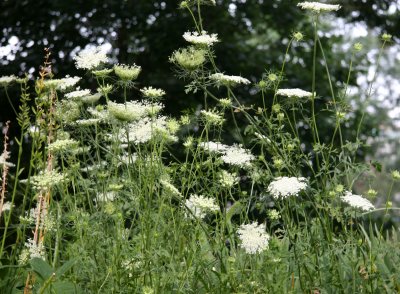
[41,268]
[63,287]
[377,165]
[64,268]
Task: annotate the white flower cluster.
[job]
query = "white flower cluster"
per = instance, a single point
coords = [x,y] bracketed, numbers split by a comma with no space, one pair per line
[234,155]
[65,145]
[106,197]
[3,159]
[200,205]
[90,99]
[227,179]
[35,250]
[357,201]
[6,206]
[77,94]
[294,93]
[318,7]
[253,238]
[127,72]
[6,80]
[90,58]
[132,110]
[200,39]
[144,130]
[62,84]
[151,92]
[47,179]
[284,187]
[227,80]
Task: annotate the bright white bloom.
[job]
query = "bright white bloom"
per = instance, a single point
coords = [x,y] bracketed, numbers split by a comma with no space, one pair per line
[222,79]
[238,156]
[144,130]
[294,93]
[87,122]
[127,159]
[90,58]
[66,145]
[99,113]
[90,99]
[200,39]
[318,7]
[6,206]
[78,94]
[35,250]
[284,187]
[200,205]
[6,80]
[213,146]
[62,84]
[47,179]
[133,110]
[357,201]
[106,197]
[151,92]
[253,238]
[127,72]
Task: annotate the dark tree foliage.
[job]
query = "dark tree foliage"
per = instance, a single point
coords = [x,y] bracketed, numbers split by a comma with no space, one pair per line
[254,36]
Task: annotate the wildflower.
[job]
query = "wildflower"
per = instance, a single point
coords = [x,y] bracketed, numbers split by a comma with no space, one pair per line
[78,93]
[188,58]
[6,80]
[253,238]
[213,146]
[35,250]
[185,120]
[283,187]
[127,159]
[102,73]
[127,72]
[188,142]
[212,117]
[106,196]
[372,193]
[280,116]
[90,58]
[6,206]
[171,188]
[90,99]
[298,93]
[273,214]
[298,36]
[318,7]
[227,80]
[357,201]
[278,163]
[238,156]
[23,258]
[396,175]
[200,205]
[47,179]
[3,159]
[129,111]
[339,188]
[225,102]
[105,89]
[357,47]
[87,122]
[152,93]
[65,145]
[61,84]
[200,39]
[227,179]
[386,37]
[172,125]
[276,107]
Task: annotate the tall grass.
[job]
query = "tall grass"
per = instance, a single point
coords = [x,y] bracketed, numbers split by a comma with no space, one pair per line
[119,197]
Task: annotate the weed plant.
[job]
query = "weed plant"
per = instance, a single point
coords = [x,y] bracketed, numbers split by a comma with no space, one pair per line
[119,197]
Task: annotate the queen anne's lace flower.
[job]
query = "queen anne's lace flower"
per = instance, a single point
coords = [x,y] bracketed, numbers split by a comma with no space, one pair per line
[357,201]
[65,145]
[284,187]
[127,72]
[238,156]
[6,80]
[62,84]
[171,188]
[47,179]
[212,117]
[213,146]
[78,93]
[200,205]
[132,110]
[222,79]
[90,58]
[151,92]
[294,93]
[253,238]
[318,7]
[200,39]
